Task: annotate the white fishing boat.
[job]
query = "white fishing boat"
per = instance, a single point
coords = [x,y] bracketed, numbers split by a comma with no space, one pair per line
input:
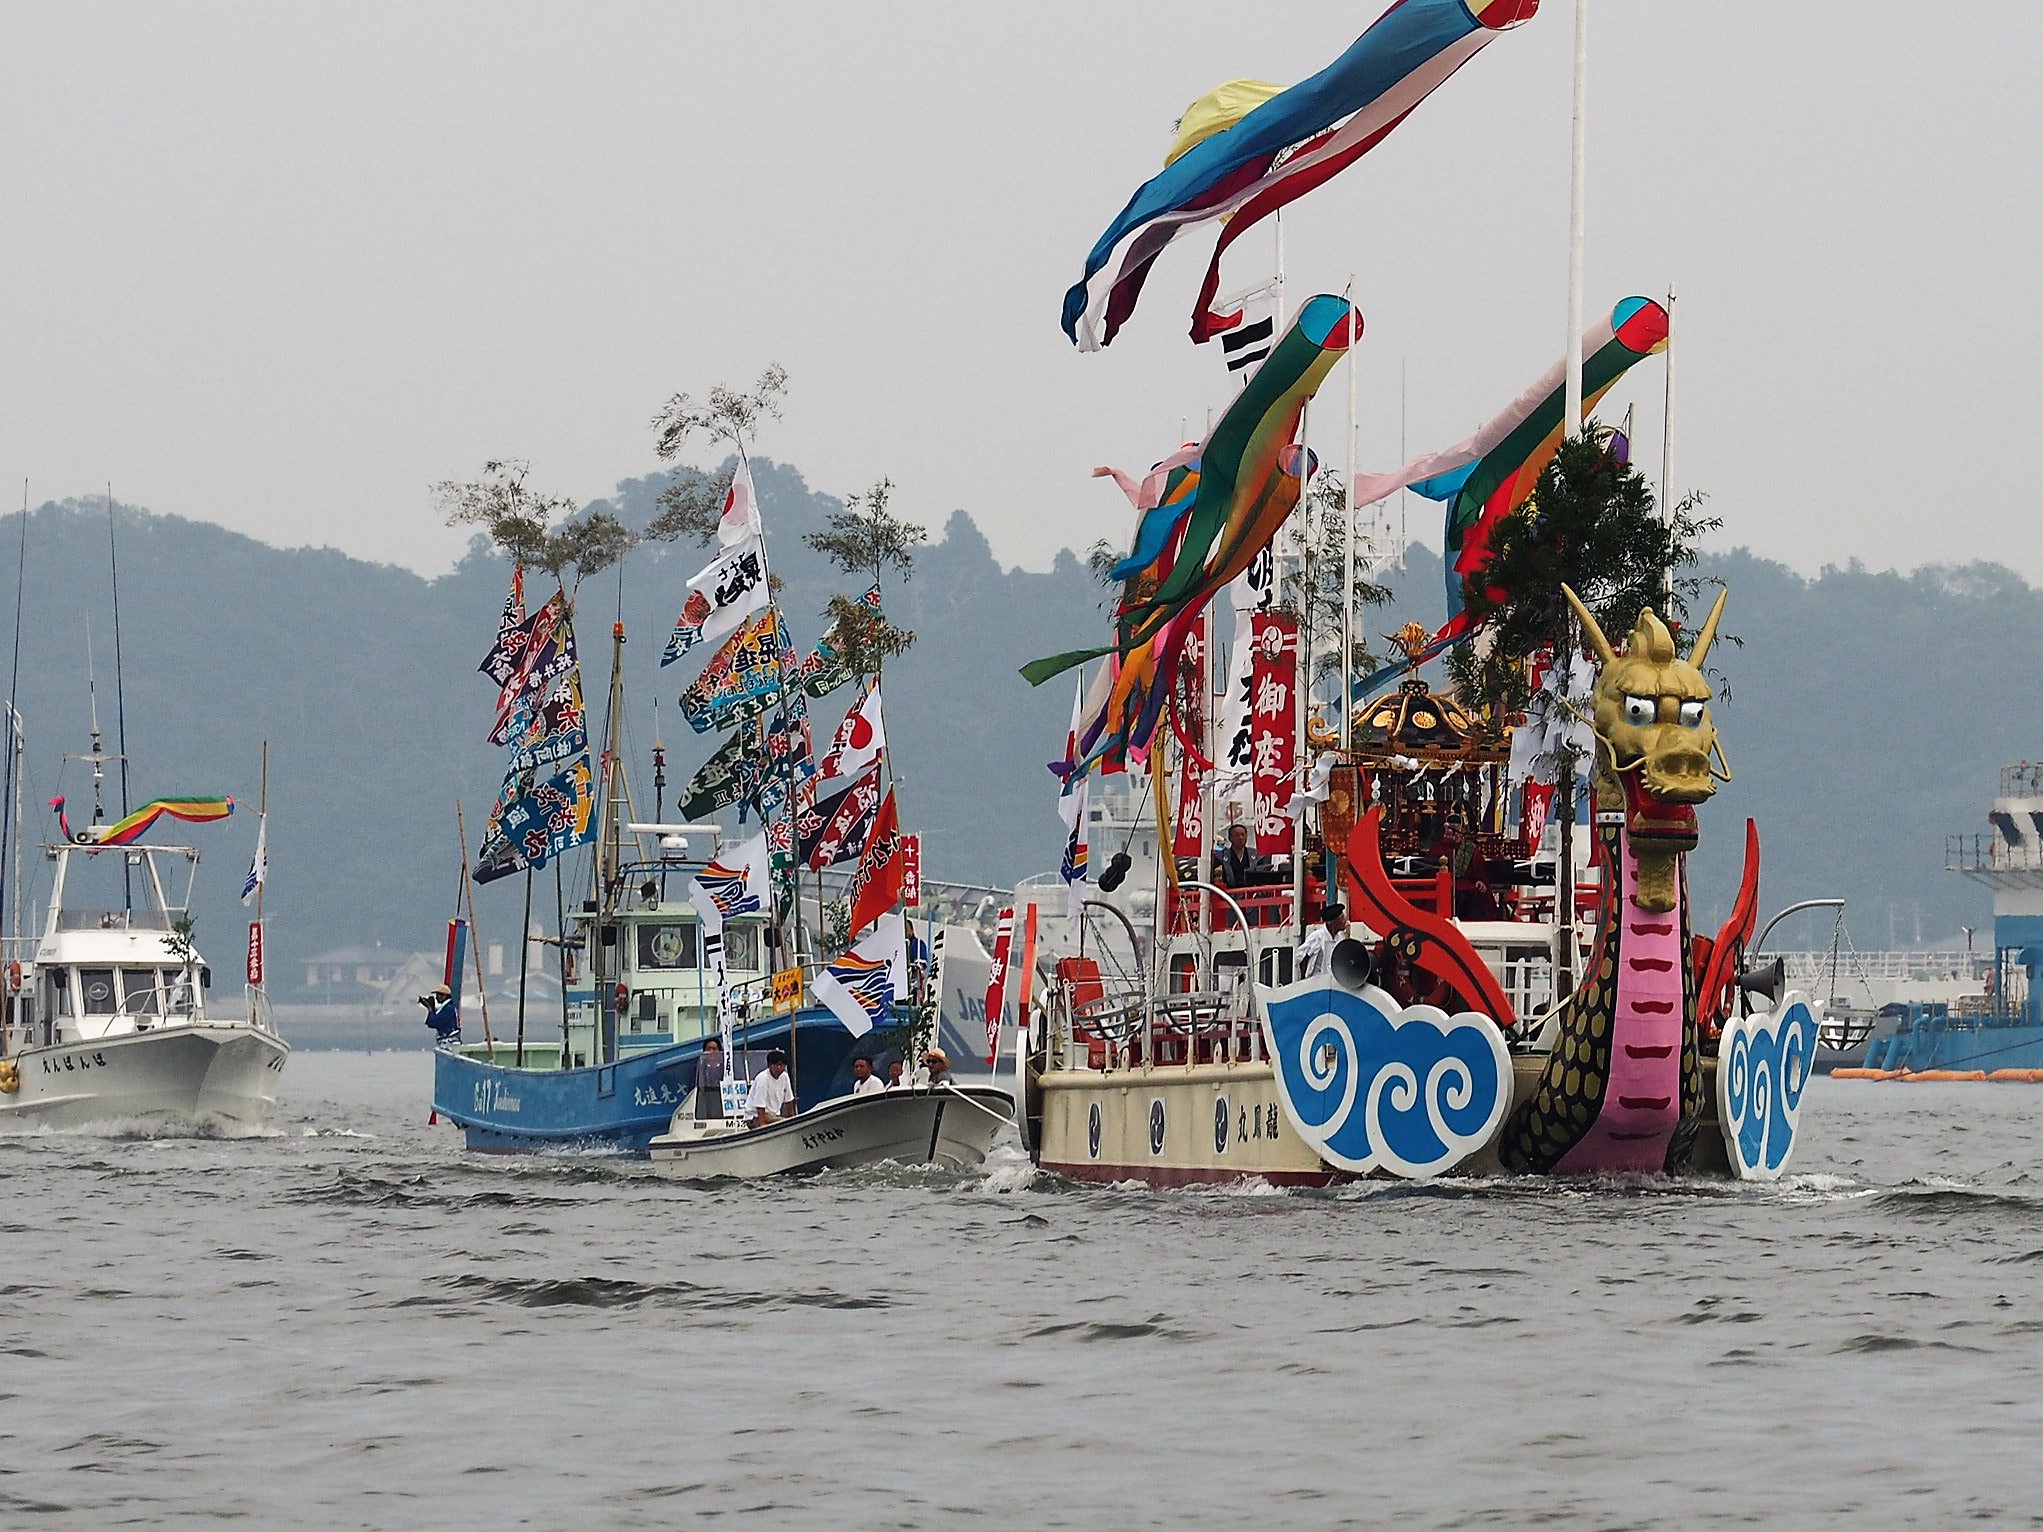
[109,1022]
[948,1125]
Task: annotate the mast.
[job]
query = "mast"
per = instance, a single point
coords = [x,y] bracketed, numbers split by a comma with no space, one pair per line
[120,692]
[1571,423]
[610,853]
[1667,417]
[262,819]
[10,824]
[1348,582]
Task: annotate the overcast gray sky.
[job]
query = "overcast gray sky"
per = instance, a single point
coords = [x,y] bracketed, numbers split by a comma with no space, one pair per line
[282,267]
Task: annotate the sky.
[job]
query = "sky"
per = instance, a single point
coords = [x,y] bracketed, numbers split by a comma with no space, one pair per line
[284,267]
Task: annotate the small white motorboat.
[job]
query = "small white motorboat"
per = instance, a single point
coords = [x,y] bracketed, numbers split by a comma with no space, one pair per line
[948,1125]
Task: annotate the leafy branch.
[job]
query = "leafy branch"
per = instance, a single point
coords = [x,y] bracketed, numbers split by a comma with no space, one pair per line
[538,531]
[692,502]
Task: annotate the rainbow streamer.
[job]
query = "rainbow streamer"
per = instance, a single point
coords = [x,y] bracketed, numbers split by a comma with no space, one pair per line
[197,810]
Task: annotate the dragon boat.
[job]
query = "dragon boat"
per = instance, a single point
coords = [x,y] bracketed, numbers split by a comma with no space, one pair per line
[1449,1032]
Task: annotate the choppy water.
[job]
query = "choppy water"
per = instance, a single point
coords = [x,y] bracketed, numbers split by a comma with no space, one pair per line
[350,1323]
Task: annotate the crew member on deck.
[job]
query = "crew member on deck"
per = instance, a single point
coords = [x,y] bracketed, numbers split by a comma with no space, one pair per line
[773,1093]
[938,1065]
[1317,950]
[1238,864]
[443,1016]
[709,1081]
[863,1081]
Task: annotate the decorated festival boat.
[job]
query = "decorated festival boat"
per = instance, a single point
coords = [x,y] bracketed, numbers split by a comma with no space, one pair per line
[1452,931]
[688,933]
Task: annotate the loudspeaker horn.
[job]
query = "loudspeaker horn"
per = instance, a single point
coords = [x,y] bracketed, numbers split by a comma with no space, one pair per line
[1768,979]
[1351,963]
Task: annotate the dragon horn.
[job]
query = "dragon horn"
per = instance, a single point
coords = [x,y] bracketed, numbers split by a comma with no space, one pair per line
[1589,628]
[1709,632]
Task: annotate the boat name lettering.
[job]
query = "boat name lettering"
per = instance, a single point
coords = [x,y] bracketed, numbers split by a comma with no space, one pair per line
[1256,1122]
[654,1095]
[495,1096]
[73,1062]
[821,1137]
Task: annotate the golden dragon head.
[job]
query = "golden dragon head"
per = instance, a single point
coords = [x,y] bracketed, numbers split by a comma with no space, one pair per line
[1655,738]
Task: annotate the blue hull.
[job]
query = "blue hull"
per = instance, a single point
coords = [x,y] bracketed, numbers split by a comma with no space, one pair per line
[1942,1043]
[617,1108]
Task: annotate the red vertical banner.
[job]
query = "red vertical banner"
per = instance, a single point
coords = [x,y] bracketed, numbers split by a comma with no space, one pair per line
[1188,720]
[1273,727]
[996,988]
[1028,969]
[911,870]
[255,953]
[1539,800]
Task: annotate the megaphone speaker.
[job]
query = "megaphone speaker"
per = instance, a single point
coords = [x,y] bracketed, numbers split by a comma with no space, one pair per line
[1768,979]
[1351,963]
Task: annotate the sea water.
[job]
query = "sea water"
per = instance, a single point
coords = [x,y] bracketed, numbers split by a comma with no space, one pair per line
[348,1321]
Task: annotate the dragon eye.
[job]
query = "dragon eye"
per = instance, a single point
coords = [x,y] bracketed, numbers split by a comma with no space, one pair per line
[1691,715]
[1639,711]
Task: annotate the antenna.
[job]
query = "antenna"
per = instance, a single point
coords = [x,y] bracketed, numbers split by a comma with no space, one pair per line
[120,689]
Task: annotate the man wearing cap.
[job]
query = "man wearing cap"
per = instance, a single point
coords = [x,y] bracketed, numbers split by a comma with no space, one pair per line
[938,1065]
[443,1016]
[773,1093]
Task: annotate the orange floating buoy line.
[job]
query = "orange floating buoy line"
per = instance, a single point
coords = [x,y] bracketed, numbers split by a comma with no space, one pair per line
[1998,1076]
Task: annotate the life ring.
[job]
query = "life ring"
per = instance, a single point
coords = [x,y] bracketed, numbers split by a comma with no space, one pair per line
[10,1075]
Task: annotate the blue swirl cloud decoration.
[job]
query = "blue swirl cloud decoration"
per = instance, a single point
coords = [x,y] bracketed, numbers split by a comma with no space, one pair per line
[1375,1086]
[1763,1066]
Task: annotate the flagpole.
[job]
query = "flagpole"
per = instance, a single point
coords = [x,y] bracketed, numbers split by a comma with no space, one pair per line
[1577,214]
[262,819]
[1667,417]
[1348,585]
[475,936]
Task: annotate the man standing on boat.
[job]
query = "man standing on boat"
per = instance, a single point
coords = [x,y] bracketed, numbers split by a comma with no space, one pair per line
[863,1081]
[1240,865]
[443,1016]
[773,1093]
[1317,950]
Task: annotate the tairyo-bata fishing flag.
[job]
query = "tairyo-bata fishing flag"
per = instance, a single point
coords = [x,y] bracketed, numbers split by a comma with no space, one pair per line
[862,987]
[1242,157]
[259,868]
[721,597]
[501,663]
[732,885]
[740,519]
[859,739]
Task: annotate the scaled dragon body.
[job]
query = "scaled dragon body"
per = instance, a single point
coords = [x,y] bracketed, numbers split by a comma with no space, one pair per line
[1623,1088]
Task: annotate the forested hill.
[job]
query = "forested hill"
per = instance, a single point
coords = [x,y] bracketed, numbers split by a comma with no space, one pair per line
[1870,712]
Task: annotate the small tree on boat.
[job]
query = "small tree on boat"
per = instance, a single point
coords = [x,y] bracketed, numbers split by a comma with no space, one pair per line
[534,530]
[867,538]
[693,501]
[1316,590]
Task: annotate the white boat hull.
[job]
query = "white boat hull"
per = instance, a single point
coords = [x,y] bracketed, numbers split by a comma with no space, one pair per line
[952,1126]
[225,1072]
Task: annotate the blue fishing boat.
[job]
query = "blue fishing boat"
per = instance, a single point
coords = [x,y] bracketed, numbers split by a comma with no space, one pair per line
[2001,1028]
[627,1056]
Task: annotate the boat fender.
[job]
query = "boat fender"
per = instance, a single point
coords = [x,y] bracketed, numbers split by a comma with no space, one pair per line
[10,1077]
[14,977]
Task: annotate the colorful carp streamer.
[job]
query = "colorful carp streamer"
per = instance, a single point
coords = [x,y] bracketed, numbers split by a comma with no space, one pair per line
[1493,473]
[1243,153]
[125,831]
[1208,516]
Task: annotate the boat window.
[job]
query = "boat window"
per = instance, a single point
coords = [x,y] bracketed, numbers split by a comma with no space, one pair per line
[741,947]
[97,986]
[666,946]
[60,988]
[139,992]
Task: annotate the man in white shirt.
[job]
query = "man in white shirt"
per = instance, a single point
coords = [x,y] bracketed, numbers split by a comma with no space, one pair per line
[863,1081]
[1317,950]
[773,1093]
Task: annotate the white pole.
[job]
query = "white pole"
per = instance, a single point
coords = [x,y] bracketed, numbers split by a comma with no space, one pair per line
[1277,287]
[1348,588]
[1667,417]
[1578,192]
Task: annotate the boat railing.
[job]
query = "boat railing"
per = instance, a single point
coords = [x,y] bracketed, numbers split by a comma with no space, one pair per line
[1263,907]
[114,920]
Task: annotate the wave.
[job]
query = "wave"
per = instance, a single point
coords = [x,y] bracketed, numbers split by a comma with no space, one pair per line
[620,1293]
